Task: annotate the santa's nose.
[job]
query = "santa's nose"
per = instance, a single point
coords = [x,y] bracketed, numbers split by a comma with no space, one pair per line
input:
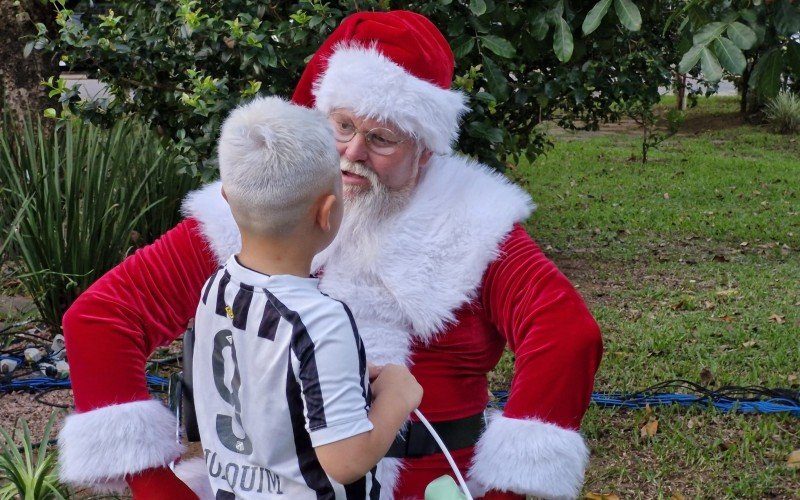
[356,149]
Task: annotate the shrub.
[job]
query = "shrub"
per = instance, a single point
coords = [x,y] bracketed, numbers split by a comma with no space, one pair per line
[29,475]
[73,198]
[182,64]
[783,113]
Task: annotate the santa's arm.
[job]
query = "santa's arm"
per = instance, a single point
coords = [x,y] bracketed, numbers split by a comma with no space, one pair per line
[118,432]
[534,447]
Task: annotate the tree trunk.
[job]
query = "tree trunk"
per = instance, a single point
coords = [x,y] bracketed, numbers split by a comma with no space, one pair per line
[680,82]
[748,69]
[20,76]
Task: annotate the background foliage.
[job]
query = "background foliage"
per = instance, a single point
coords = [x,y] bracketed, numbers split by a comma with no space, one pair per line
[181,65]
[755,39]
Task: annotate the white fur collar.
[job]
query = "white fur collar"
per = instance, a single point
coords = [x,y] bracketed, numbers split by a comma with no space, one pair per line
[429,264]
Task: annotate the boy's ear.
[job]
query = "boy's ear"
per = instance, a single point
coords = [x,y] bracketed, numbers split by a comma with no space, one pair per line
[222,190]
[324,212]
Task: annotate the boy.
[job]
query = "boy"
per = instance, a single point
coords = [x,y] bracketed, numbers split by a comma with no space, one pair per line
[284,404]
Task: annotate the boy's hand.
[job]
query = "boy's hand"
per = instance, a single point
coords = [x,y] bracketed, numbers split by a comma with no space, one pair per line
[374,371]
[396,381]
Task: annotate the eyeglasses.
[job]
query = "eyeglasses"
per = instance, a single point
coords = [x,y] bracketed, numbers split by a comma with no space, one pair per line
[381,141]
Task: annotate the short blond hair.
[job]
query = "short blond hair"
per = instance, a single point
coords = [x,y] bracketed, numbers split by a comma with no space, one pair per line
[275,159]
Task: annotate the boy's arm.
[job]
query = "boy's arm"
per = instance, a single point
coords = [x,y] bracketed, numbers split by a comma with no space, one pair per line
[333,393]
[395,394]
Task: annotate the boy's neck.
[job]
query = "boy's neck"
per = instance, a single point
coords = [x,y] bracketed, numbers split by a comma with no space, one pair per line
[273,257]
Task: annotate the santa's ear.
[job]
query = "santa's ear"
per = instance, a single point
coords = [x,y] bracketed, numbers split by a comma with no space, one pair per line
[424,157]
[326,206]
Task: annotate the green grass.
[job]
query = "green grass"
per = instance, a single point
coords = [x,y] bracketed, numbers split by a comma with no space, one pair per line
[690,263]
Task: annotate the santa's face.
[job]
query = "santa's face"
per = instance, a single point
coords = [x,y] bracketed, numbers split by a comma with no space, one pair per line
[364,170]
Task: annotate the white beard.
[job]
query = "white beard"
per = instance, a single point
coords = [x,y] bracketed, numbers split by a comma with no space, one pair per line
[367,212]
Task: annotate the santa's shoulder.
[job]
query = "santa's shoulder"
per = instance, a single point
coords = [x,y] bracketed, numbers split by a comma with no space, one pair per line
[458,183]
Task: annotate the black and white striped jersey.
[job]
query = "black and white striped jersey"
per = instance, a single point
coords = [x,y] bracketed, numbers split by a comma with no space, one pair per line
[279,368]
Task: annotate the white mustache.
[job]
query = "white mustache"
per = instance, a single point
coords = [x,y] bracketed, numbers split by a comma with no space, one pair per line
[359,168]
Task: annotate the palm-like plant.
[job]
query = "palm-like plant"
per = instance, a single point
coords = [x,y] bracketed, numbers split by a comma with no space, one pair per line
[29,475]
[73,197]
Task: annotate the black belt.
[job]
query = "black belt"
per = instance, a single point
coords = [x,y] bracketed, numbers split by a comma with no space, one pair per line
[416,441]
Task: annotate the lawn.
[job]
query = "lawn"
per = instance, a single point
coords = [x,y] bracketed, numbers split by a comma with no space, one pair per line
[691,266]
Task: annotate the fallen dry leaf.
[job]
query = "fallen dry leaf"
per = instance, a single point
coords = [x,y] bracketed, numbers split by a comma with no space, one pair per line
[677,496]
[727,293]
[778,319]
[666,196]
[720,258]
[749,344]
[793,460]
[709,305]
[649,429]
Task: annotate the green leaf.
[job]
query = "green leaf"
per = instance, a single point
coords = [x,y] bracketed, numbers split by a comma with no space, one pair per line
[498,45]
[464,47]
[595,16]
[708,33]
[729,55]
[557,12]
[628,14]
[539,26]
[793,57]
[478,7]
[766,77]
[712,71]
[485,97]
[484,130]
[28,49]
[562,41]
[741,35]
[495,79]
[749,15]
[689,59]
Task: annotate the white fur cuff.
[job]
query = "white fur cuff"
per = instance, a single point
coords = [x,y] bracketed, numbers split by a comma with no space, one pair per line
[100,447]
[529,457]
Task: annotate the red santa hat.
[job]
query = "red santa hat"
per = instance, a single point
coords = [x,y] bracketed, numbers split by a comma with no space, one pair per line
[392,66]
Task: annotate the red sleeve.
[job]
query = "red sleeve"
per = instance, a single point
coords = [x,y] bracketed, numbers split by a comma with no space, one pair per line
[143,303]
[547,325]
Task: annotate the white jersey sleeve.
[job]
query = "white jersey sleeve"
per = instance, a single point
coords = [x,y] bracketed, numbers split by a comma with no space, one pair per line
[330,364]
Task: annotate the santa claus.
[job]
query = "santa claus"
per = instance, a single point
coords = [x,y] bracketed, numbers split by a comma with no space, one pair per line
[432,260]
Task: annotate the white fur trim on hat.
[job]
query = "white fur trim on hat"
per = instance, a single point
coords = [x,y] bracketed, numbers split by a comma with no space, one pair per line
[529,456]
[370,84]
[100,447]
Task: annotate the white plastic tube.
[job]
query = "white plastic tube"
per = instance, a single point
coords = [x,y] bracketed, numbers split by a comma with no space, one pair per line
[447,455]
